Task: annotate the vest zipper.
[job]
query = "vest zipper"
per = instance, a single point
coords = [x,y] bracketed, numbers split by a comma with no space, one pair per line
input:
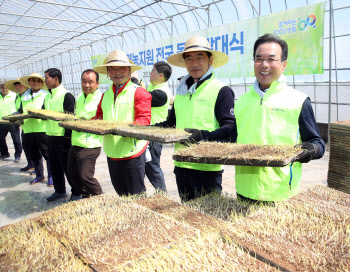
[190,96]
[261,101]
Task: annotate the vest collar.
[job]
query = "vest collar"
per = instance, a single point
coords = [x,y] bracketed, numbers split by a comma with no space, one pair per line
[28,95]
[120,88]
[91,95]
[54,91]
[159,86]
[275,86]
[188,86]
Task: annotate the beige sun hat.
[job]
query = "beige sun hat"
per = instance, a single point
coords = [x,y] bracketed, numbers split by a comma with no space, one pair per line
[116,58]
[11,84]
[198,43]
[25,80]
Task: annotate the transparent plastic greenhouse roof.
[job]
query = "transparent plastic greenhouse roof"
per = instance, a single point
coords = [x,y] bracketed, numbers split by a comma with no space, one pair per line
[39,34]
[32,31]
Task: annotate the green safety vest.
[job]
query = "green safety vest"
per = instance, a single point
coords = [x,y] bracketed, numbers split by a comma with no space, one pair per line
[18,101]
[198,111]
[54,101]
[7,104]
[86,107]
[159,114]
[271,120]
[120,110]
[34,125]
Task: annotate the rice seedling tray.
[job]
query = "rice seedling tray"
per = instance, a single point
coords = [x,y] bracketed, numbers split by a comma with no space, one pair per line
[98,127]
[16,118]
[338,185]
[339,156]
[338,180]
[238,154]
[340,124]
[52,115]
[96,131]
[125,129]
[152,133]
[6,122]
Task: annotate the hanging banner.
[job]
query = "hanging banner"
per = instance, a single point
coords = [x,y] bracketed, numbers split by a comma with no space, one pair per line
[302,28]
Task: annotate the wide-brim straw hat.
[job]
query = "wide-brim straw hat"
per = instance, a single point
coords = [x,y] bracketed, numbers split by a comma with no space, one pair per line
[116,58]
[25,80]
[11,84]
[198,43]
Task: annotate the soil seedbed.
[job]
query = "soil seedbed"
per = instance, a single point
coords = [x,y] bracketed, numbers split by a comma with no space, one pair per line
[25,246]
[98,127]
[238,154]
[52,115]
[111,235]
[320,206]
[152,133]
[206,252]
[290,226]
[295,239]
[205,223]
[16,118]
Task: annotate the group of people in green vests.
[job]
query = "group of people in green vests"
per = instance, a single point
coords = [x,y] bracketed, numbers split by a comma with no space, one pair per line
[270,112]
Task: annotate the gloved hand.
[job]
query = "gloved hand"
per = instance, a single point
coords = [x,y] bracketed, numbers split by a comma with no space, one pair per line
[310,150]
[196,136]
[66,144]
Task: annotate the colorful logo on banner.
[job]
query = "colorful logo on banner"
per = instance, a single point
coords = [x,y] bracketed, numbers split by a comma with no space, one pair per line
[289,26]
[310,21]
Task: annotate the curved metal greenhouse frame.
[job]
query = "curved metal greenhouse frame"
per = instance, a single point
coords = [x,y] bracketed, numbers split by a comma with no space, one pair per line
[39,34]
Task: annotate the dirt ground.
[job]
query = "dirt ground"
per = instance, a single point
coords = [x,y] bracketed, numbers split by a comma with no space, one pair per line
[19,200]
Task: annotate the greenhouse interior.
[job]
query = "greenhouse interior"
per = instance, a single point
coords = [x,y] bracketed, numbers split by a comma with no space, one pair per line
[160,229]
